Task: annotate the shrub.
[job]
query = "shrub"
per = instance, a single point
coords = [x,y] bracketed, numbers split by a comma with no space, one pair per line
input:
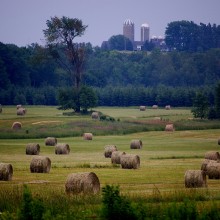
[115,206]
[30,208]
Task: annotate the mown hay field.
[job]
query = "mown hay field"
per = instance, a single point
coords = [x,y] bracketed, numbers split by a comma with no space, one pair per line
[164,156]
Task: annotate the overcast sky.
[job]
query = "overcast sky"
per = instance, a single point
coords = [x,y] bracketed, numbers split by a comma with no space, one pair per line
[22,21]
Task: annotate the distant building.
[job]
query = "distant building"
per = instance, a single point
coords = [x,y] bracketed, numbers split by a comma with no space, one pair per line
[128,29]
[145,32]
[128,32]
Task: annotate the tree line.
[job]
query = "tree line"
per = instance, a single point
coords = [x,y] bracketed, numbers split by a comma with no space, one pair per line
[40,74]
[191,37]
[118,78]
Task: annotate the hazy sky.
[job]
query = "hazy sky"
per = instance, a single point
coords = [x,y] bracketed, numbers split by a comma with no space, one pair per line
[22,21]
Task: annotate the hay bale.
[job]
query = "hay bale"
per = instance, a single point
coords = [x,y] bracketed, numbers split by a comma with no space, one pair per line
[155,107]
[16,125]
[213,170]
[87,136]
[142,108]
[130,161]
[32,149]
[95,115]
[204,164]
[195,178]
[6,171]
[167,107]
[21,111]
[136,144]
[50,141]
[212,155]
[40,164]
[169,127]
[109,149]
[19,106]
[87,183]
[116,157]
[62,148]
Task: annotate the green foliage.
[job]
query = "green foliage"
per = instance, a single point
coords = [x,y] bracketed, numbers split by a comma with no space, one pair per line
[73,98]
[63,29]
[115,206]
[119,42]
[182,211]
[30,76]
[211,113]
[217,100]
[31,209]
[106,118]
[87,98]
[188,36]
[212,213]
[60,35]
[200,106]
[68,98]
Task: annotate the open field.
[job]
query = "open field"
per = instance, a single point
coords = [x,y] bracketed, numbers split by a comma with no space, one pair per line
[165,156]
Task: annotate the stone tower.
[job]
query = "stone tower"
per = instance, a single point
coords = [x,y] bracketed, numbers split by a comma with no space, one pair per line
[128,29]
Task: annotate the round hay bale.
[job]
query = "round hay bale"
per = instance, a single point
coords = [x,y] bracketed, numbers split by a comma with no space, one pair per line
[204,164]
[6,171]
[212,155]
[21,111]
[169,127]
[142,108]
[155,107]
[136,144]
[40,164]
[32,149]
[130,161]
[87,183]
[95,115]
[62,148]
[116,157]
[109,149]
[87,136]
[50,141]
[167,107]
[195,178]
[16,125]
[213,170]
[19,106]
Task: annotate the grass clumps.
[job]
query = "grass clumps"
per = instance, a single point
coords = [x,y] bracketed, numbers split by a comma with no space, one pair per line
[118,207]
[31,208]
[111,204]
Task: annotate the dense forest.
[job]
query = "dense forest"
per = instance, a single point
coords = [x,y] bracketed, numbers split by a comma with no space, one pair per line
[119,78]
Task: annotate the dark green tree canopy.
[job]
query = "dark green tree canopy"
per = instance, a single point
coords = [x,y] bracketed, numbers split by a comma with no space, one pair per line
[71,98]
[200,106]
[119,42]
[191,37]
[63,30]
